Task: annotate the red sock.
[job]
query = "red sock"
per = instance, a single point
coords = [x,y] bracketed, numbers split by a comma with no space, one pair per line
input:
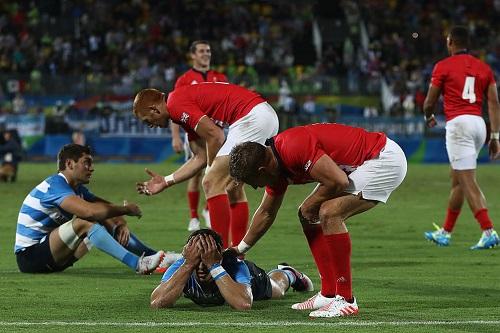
[483,218]
[239,221]
[319,250]
[218,208]
[340,252]
[451,219]
[193,200]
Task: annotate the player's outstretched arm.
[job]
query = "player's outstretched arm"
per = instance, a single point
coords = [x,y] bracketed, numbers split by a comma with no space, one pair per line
[237,295]
[167,293]
[97,211]
[261,222]
[494,115]
[177,145]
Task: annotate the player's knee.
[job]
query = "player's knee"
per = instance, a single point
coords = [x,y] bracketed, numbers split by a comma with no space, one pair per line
[329,213]
[69,235]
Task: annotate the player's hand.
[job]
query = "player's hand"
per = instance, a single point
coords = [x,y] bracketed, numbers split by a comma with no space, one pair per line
[177,144]
[308,214]
[231,251]
[210,254]
[430,121]
[153,186]
[494,149]
[133,209]
[122,234]
[191,252]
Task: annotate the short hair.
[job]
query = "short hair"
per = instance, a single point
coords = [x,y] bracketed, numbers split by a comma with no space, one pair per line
[460,36]
[209,232]
[71,151]
[192,48]
[245,159]
[148,96]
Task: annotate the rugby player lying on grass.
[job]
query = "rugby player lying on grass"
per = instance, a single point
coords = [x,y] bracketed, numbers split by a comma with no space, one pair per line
[209,277]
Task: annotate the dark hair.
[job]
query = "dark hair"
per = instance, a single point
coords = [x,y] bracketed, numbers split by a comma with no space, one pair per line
[71,151]
[208,232]
[245,159]
[192,48]
[460,36]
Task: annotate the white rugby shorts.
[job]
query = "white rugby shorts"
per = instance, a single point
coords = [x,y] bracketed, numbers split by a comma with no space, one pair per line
[375,179]
[465,136]
[260,124]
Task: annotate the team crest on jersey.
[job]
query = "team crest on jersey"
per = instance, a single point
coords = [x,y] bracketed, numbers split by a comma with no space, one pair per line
[194,82]
[307,165]
[184,117]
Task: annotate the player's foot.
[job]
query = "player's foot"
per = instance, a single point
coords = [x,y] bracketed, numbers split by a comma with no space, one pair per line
[168,259]
[206,217]
[316,302]
[302,281]
[440,236]
[147,264]
[339,307]
[194,224]
[488,240]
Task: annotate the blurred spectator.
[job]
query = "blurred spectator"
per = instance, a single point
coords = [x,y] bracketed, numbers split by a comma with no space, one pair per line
[10,155]
[19,104]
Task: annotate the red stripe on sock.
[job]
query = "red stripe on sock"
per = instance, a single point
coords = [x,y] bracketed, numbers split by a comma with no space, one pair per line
[451,219]
[218,208]
[483,218]
[239,221]
[193,200]
[340,253]
[321,254]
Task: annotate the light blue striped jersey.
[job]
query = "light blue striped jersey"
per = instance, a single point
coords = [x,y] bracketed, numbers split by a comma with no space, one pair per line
[210,295]
[41,212]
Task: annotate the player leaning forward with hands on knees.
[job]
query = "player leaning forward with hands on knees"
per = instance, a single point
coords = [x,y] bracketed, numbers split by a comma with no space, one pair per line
[354,169]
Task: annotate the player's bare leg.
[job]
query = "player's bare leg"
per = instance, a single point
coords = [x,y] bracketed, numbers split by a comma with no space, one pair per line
[193,193]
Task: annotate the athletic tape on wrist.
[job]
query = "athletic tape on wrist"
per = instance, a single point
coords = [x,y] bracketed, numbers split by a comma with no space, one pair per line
[217,271]
[169,179]
[243,247]
[495,136]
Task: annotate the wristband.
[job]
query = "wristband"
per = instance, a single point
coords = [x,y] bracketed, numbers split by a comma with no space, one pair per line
[243,247]
[169,179]
[495,136]
[217,271]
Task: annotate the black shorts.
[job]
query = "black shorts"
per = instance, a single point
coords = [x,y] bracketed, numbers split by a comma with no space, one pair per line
[38,259]
[261,284]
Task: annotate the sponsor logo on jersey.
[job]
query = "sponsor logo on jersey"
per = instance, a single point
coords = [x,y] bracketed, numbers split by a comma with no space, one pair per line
[184,117]
[194,82]
[307,165]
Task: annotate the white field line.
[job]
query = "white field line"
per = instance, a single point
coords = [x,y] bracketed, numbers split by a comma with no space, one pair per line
[313,323]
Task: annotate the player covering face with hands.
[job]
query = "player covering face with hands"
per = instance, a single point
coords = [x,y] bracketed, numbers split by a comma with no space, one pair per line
[209,277]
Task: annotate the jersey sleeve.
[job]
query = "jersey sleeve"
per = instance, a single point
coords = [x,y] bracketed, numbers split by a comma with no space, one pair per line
[301,151]
[172,269]
[491,77]
[180,82]
[58,191]
[239,271]
[438,75]
[277,190]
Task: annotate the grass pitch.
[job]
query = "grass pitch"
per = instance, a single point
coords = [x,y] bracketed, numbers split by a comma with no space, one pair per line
[402,282]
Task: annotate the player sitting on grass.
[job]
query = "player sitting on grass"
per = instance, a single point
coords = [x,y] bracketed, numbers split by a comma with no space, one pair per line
[60,219]
[208,277]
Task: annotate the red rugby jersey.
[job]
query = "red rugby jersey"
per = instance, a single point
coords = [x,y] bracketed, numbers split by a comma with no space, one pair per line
[194,76]
[224,103]
[463,80]
[298,149]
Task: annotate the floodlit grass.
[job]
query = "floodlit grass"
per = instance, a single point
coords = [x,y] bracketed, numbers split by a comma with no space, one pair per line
[402,282]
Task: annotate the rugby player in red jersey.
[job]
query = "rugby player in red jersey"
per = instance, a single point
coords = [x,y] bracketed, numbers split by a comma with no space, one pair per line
[464,80]
[354,169]
[200,72]
[203,110]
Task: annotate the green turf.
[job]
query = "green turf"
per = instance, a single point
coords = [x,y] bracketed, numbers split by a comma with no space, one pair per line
[398,276]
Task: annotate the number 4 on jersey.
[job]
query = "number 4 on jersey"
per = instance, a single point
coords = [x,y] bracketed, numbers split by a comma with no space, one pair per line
[468,92]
